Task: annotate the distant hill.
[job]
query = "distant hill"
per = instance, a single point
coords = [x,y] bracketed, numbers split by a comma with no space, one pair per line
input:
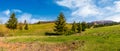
[103,22]
[96,22]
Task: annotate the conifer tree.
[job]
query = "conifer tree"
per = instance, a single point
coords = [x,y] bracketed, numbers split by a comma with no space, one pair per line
[26,25]
[74,27]
[60,24]
[12,22]
[79,27]
[84,26]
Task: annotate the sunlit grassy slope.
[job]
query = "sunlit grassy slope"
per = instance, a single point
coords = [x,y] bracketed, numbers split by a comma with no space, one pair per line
[96,39]
[35,29]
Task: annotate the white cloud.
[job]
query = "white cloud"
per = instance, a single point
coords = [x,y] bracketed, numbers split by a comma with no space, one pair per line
[3,20]
[114,18]
[24,17]
[65,3]
[80,8]
[85,11]
[110,9]
[29,18]
[17,10]
[4,16]
[117,6]
[6,12]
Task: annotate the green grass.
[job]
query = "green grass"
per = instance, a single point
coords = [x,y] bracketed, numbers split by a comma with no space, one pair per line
[35,29]
[96,39]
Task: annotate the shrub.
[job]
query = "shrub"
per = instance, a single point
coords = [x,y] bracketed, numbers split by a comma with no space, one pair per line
[69,32]
[20,26]
[26,27]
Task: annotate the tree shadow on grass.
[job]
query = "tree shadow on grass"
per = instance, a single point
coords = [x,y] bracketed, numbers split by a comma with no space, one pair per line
[52,34]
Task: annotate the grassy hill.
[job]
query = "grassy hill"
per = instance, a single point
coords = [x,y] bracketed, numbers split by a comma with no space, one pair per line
[34,29]
[96,39]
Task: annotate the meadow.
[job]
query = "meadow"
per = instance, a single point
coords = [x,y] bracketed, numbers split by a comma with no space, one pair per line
[95,39]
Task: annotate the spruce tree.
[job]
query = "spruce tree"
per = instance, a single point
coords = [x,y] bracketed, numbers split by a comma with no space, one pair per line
[12,22]
[60,24]
[79,27]
[84,26]
[26,25]
[74,27]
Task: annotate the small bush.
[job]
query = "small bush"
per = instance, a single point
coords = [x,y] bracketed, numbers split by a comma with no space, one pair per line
[69,33]
[10,35]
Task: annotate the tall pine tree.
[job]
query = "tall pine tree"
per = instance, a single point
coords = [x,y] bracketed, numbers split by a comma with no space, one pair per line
[26,25]
[84,26]
[60,24]
[74,27]
[79,27]
[12,22]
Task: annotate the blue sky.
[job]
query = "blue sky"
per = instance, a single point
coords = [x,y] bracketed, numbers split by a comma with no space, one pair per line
[74,10]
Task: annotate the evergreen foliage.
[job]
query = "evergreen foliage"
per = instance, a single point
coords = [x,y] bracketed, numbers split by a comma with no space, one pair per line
[79,27]
[84,26]
[12,22]
[74,27]
[26,25]
[60,24]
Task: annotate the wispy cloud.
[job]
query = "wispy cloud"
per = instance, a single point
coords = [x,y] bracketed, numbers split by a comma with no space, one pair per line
[4,16]
[6,12]
[29,18]
[82,8]
[17,10]
[115,17]
[96,9]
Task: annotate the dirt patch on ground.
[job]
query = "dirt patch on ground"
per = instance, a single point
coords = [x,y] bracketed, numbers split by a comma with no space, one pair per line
[67,46]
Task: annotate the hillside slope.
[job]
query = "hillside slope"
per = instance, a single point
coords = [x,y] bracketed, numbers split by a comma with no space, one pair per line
[34,29]
[96,39]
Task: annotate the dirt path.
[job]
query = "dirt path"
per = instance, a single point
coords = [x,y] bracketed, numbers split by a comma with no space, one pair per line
[40,47]
[31,47]
[12,46]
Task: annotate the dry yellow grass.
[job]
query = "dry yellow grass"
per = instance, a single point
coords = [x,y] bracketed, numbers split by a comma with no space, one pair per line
[34,29]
